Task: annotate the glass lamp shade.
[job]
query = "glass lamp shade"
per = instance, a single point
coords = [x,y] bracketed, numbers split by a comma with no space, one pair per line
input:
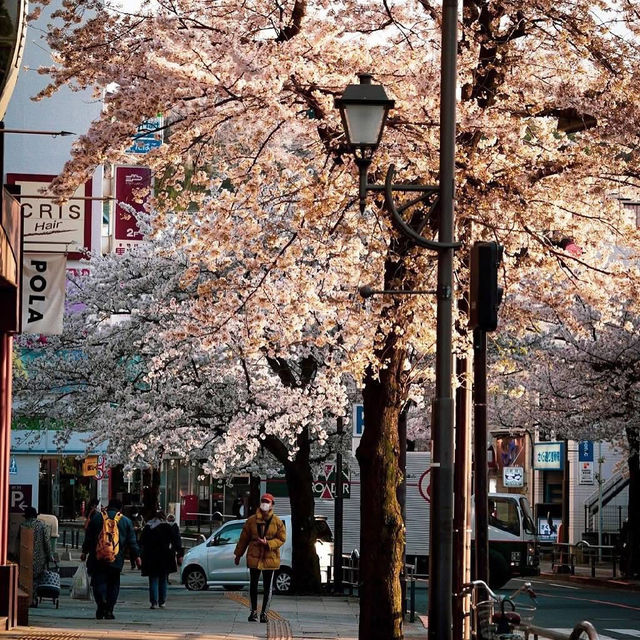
[364,108]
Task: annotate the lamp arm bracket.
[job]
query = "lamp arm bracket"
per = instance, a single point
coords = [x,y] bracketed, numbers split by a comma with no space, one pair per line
[428,190]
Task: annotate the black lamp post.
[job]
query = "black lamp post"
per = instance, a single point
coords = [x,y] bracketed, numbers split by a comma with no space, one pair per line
[364,108]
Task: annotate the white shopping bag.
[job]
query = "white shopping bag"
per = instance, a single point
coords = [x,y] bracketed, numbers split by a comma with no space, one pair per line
[80,589]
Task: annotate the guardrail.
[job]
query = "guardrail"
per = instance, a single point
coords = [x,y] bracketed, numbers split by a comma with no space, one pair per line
[566,557]
[351,579]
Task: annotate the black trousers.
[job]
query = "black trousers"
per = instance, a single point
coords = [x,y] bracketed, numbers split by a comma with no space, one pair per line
[106,587]
[267,584]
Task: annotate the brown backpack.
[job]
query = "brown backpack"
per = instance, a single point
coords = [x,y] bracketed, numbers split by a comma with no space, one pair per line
[109,539]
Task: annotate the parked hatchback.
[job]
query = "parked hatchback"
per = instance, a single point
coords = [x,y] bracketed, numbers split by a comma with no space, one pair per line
[211,563]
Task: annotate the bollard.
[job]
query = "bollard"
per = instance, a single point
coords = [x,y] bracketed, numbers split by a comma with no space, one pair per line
[593,565]
[412,611]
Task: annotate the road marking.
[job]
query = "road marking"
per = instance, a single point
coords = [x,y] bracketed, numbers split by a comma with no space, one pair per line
[634,633]
[564,586]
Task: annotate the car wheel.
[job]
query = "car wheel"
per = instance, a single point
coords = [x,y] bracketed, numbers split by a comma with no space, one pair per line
[232,587]
[195,580]
[284,581]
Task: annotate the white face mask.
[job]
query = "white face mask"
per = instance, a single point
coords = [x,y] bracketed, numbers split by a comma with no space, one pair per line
[265,506]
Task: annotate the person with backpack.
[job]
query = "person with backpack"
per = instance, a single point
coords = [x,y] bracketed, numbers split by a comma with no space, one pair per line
[262,536]
[161,554]
[108,535]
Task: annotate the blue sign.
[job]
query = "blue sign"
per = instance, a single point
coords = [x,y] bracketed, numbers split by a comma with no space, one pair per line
[585,451]
[548,455]
[13,466]
[358,420]
[149,136]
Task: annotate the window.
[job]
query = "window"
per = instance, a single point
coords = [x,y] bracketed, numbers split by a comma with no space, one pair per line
[229,535]
[503,514]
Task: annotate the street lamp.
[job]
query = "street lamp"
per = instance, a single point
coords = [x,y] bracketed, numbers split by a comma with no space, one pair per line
[364,108]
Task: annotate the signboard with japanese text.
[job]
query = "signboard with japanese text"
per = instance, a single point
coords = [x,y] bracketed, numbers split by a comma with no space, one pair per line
[548,455]
[52,226]
[132,189]
[585,451]
[585,469]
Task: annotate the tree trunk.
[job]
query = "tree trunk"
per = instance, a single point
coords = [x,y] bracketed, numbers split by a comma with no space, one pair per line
[381,529]
[306,567]
[633,526]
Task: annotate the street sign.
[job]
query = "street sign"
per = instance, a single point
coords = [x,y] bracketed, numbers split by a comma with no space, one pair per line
[13,466]
[102,471]
[324,486]
[424,485]
[19,497]
[90,466]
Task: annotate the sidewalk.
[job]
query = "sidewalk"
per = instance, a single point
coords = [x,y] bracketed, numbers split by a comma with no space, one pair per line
[582,576]
[203,615]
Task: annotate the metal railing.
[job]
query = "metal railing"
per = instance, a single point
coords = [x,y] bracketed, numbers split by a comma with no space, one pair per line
[603,558]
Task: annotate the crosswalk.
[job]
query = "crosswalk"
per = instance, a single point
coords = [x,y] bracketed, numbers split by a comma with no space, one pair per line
[610,634]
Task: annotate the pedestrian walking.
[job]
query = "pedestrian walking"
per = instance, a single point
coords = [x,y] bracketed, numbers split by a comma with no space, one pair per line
[171,519]
[262,536]
[161,554]
[41,544]
[108,535]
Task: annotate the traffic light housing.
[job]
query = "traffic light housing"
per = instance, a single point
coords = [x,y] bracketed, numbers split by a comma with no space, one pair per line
[485,295]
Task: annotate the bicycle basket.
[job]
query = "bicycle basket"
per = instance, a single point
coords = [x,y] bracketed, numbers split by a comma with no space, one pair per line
[484,612]
[526,612]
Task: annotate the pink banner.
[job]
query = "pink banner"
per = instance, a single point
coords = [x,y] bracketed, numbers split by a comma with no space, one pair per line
[129,183]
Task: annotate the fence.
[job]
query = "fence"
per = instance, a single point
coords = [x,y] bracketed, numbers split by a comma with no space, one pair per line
[612,518]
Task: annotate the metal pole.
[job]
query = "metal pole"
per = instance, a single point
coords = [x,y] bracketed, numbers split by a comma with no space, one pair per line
[401,493]
[338,512]
[460,476]
[480,455]
[440,574]
[600,500]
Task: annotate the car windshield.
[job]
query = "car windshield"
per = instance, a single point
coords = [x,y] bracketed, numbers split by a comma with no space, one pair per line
[529,527]
[323,531]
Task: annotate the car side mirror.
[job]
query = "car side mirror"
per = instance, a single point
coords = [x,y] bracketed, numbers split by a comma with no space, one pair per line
[214,542]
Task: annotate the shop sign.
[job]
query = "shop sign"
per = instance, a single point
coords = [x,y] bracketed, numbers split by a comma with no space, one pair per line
[51,226]
[90,466]
[324,486]
[133,188]
[586,472]
[585,451]
[548,455]
[43,292]
[513,476]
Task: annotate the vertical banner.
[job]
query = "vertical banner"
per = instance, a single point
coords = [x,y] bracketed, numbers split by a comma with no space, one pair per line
[131,183]
[43,286]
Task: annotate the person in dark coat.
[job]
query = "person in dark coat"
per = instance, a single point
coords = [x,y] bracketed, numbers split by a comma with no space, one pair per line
[105,576]
[161,554]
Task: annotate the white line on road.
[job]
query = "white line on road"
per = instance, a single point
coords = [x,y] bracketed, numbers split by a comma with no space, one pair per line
[564,586]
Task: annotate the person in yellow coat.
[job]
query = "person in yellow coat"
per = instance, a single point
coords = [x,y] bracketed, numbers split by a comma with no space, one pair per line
[262,536]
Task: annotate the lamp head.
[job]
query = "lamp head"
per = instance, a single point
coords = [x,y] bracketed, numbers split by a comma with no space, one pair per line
[363,109]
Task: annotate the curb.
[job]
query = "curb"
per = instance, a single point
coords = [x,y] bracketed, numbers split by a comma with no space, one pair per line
[607,583]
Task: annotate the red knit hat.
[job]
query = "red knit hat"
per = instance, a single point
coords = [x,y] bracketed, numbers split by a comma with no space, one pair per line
[267,497]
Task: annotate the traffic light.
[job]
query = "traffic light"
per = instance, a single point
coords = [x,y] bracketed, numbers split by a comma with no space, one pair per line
[485,295]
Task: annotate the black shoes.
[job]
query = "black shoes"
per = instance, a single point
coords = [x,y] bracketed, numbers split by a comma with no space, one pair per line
[109,616]
[253,616]
[263,617]
[99,614]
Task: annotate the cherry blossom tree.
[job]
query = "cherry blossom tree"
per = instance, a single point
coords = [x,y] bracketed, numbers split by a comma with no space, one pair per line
[121,374]
[547,128]
[579,381]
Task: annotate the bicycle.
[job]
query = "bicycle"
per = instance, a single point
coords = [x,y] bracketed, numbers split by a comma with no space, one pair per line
[489,624]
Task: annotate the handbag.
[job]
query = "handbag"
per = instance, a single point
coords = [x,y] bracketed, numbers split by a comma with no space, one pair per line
[80,586]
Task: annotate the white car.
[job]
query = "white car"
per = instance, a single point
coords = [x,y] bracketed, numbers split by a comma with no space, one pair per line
[211,563]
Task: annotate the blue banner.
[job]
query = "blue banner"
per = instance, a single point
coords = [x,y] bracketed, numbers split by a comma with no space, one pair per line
[585,451]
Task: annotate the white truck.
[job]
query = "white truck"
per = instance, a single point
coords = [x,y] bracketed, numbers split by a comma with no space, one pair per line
[513,548]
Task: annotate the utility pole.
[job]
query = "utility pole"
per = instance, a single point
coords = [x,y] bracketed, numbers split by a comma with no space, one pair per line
[442,498]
